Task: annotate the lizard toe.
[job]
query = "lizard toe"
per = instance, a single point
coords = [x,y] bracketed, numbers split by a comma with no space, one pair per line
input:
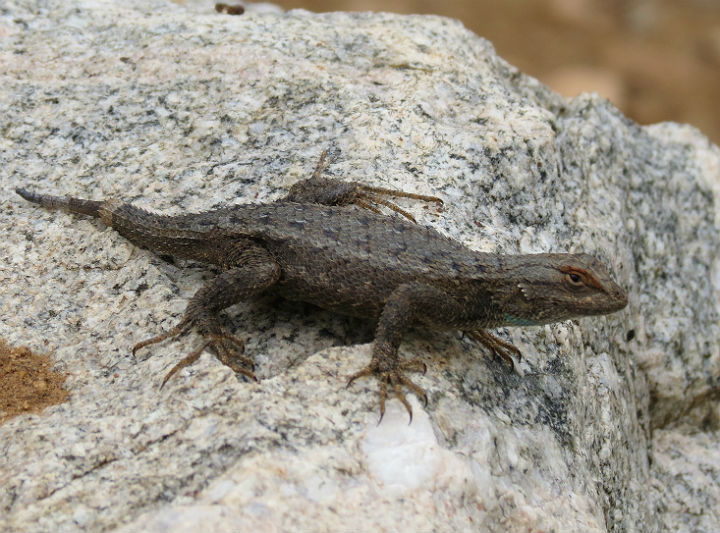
[181,328]
[496,346]
[228,350]
[185,361]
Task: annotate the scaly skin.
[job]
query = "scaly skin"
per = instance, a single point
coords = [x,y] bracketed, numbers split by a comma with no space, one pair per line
[328,244]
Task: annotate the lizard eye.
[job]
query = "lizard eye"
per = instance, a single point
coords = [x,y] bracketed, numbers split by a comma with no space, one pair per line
[574,279]
[578,278]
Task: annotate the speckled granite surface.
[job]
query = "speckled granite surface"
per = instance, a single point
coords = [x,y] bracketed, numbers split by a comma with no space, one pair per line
[611,423]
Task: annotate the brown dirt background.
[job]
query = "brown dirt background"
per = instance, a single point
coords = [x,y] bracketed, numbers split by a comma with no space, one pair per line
[27,382]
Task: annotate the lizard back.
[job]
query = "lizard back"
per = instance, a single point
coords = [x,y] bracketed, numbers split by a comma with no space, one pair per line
[343,258]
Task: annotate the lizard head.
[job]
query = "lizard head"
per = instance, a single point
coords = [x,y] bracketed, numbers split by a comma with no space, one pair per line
[548,288]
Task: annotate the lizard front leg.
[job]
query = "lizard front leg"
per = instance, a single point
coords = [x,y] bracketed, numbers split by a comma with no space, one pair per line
[250,271]
[327,191]
[408,305]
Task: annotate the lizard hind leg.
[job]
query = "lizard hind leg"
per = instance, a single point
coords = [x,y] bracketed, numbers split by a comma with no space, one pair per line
[250,271]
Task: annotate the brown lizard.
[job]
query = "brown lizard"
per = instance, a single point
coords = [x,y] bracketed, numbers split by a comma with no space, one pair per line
[327,243]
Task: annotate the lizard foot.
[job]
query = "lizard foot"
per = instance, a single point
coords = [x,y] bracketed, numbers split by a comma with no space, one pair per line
[395,377]
[365,196]
[227,347]
[497,346]
[327,191]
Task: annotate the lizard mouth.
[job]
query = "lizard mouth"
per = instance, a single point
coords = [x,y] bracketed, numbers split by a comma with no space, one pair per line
[619,298]
[615,301]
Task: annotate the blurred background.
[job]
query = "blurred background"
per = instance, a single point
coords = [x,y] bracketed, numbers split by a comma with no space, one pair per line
[657,60]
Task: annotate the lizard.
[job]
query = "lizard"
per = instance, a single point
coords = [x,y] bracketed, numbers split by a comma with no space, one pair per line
[328,243]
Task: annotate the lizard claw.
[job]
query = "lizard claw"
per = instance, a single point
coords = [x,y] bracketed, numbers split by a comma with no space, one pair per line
[497,346]
[178,330]
[222,344]
[366,197]
[185,361]
[395,377]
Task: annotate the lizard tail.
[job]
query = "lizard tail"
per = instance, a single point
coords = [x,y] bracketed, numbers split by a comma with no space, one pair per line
[66,203]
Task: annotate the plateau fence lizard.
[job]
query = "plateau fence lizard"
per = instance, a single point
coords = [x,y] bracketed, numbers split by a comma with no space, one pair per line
[327,243]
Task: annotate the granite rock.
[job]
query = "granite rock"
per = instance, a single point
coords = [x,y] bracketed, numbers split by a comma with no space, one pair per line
[608,424]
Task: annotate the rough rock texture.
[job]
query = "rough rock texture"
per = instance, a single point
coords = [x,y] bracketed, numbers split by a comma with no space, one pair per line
[610,423]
